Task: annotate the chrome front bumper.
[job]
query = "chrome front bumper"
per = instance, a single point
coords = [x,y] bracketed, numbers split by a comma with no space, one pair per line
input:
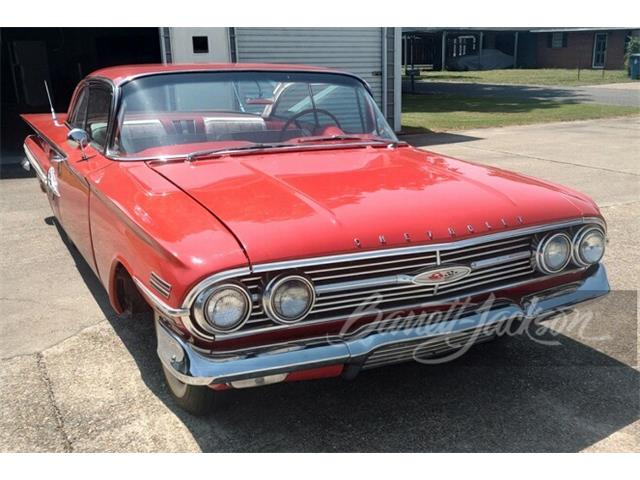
[197,368]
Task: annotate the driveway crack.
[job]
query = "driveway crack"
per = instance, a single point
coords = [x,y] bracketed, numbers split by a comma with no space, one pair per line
[66,442]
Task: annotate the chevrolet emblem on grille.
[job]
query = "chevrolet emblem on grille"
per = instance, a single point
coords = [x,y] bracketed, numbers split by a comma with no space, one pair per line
[441,275]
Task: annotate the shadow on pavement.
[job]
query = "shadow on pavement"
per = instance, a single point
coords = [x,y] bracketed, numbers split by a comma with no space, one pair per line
[429,138]
[14,170]
[493,90]
[509,395]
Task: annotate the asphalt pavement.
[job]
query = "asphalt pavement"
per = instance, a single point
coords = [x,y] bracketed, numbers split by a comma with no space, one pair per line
[614,94]
[76,377]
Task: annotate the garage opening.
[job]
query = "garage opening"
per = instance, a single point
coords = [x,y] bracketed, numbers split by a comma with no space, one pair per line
[62,57]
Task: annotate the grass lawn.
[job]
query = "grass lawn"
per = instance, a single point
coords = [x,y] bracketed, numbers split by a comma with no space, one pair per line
[543,76]
[425,113]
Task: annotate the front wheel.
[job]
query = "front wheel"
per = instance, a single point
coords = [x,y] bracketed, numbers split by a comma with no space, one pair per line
[194,399]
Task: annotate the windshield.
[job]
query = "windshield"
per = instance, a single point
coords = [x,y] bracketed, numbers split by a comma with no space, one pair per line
[182,113]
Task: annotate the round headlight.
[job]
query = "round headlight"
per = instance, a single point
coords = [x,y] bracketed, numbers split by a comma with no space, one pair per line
[588,246]
[554,253]
[223,308]
[289,299]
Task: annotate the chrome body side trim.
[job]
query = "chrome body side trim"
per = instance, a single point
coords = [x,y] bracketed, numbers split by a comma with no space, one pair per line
[184,313]
[157,304]
[162,286]
[195,367]
[36,165]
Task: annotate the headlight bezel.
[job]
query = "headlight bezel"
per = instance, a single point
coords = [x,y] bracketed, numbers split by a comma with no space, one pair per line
[578,239]
[271,289]
[540,251]
[201,303]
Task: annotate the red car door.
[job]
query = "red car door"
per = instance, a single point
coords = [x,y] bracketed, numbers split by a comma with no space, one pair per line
[90,113]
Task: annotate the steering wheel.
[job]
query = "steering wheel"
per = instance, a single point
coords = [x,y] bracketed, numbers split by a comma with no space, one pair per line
[302,113]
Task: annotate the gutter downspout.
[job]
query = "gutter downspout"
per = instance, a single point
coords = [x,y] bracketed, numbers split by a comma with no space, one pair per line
[165,44]
[384,72]
[397,79]
[444,50]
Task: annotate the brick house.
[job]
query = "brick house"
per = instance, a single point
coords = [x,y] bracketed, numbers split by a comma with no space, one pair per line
[580,47]
[442,49]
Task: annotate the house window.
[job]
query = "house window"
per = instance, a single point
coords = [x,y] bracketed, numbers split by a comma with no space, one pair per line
[464,45]
[558,40]
[200,44]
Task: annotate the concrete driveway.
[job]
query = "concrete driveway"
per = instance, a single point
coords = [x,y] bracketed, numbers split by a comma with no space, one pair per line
[76,377]
[624,94]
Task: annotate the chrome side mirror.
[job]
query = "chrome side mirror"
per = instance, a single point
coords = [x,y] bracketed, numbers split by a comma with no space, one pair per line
[78,138]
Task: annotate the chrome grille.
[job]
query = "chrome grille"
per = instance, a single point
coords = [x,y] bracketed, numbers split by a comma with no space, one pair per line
[342,287]
[406,351]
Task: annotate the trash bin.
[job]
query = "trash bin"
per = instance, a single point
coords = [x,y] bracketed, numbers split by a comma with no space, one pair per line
[634,66]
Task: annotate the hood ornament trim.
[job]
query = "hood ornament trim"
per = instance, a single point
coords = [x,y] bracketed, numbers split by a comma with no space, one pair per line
[438,276]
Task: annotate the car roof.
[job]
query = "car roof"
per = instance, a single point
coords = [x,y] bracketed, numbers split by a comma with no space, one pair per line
[123,73]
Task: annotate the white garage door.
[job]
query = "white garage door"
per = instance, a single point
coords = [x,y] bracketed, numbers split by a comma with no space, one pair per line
[356,50]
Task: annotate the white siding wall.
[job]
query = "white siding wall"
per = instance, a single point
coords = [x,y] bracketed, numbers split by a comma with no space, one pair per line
[356,50]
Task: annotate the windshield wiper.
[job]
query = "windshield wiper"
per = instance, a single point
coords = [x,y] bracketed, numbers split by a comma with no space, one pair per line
[264,146]
[221,151]
[332,138]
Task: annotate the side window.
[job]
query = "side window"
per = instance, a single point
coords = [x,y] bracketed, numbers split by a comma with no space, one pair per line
[98,114]
[79,115]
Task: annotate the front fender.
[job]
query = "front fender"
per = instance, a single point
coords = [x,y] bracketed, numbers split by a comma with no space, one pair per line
[142,221]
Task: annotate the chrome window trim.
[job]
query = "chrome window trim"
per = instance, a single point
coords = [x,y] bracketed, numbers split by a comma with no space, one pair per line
[267,298]
[577,239]
[542,265]
[109,152]
[113,88]
[201,301]
[243,70]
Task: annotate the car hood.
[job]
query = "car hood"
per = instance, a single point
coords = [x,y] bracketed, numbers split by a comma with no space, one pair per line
[285,205]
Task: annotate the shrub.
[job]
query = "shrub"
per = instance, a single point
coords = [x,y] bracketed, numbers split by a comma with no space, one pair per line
[633,46]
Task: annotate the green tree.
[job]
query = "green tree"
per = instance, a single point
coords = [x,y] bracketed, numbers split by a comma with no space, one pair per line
[633,46]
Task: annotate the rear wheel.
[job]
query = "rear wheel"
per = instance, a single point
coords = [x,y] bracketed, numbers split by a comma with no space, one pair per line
[194,399]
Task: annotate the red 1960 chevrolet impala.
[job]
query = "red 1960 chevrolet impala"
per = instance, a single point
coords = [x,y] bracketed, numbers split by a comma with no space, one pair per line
[280,231]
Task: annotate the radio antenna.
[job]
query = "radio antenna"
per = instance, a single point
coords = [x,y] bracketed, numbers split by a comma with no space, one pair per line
[53,113]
